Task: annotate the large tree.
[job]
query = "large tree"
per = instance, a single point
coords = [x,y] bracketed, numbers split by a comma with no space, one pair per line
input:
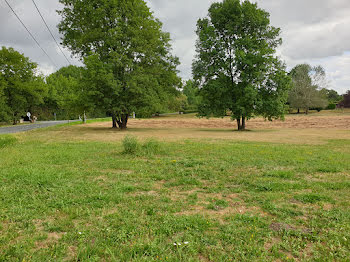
[236,65]
[21,88]
[129,66]
[307,82]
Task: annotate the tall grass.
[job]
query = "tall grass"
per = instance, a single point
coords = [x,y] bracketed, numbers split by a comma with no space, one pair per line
[133,146]
[151,147]
[6,140]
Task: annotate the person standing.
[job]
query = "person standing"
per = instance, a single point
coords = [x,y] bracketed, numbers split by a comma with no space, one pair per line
[29,116]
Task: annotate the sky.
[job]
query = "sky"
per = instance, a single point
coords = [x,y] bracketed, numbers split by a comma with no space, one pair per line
[313,31]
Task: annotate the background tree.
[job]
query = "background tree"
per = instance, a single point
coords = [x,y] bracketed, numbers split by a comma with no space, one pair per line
[178,103]
[4,110]
[236,66]
[66,93]
[332,96]
[305,92]
[191,91]
[129,67]
[21,87]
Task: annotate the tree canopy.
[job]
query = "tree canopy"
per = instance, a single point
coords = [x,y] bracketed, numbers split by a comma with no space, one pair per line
[65,93]
[236,66]
[21,89]
[129,66]
[191,91]
[307,82]
[332,95]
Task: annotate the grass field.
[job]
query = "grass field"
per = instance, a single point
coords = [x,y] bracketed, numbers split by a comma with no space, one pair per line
[276,193]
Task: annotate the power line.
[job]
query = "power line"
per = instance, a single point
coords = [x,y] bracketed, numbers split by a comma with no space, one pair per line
[19,19]
[50,31]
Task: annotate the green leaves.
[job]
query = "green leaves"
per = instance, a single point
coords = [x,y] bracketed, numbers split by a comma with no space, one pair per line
[66,95]
[236,66]
[21,89]
[129,66]
[306,82]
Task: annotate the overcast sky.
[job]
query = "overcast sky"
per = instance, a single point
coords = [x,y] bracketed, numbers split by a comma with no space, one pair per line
[313,31]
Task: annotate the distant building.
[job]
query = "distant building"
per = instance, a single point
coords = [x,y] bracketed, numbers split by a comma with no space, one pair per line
[346,101]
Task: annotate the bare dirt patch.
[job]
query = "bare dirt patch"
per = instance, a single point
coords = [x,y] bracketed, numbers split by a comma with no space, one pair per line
[52,238]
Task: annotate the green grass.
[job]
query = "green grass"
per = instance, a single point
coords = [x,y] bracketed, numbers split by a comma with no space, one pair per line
[247,201]
[7,140]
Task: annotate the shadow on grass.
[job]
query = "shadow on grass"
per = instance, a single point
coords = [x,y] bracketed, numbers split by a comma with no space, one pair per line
[214,130]
[128,130]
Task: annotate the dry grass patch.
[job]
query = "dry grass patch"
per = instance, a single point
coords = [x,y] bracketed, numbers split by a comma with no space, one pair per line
[52,239]
[312,129]
[215,205]
[272,242]
[116,171]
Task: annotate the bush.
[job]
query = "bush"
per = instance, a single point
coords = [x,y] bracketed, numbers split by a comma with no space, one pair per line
[318,109]
[7,140]
[190,111]
[332,106]
[151,147]
[131,145]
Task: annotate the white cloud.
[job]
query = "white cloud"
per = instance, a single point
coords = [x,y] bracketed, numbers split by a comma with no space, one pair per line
[313,31]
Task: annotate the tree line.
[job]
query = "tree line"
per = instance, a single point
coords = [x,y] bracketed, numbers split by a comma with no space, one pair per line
[129,67]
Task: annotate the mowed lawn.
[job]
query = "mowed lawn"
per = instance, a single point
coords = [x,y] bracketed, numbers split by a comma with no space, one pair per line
[65,197]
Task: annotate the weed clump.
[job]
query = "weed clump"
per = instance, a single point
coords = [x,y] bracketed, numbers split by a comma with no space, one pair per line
[151,147]
[132,146]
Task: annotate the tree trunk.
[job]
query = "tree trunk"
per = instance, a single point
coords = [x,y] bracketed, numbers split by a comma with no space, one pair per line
[14,119]
[84,118]
[298,110]
[123,121]
[243,123]
[307,111]
[238,124]
[114,120]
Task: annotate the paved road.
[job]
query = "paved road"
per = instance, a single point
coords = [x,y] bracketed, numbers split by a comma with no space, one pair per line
[23,128]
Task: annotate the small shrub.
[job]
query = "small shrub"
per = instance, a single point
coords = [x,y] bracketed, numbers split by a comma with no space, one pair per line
[151,147]
[7,140]
[131,145]
[332,106]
